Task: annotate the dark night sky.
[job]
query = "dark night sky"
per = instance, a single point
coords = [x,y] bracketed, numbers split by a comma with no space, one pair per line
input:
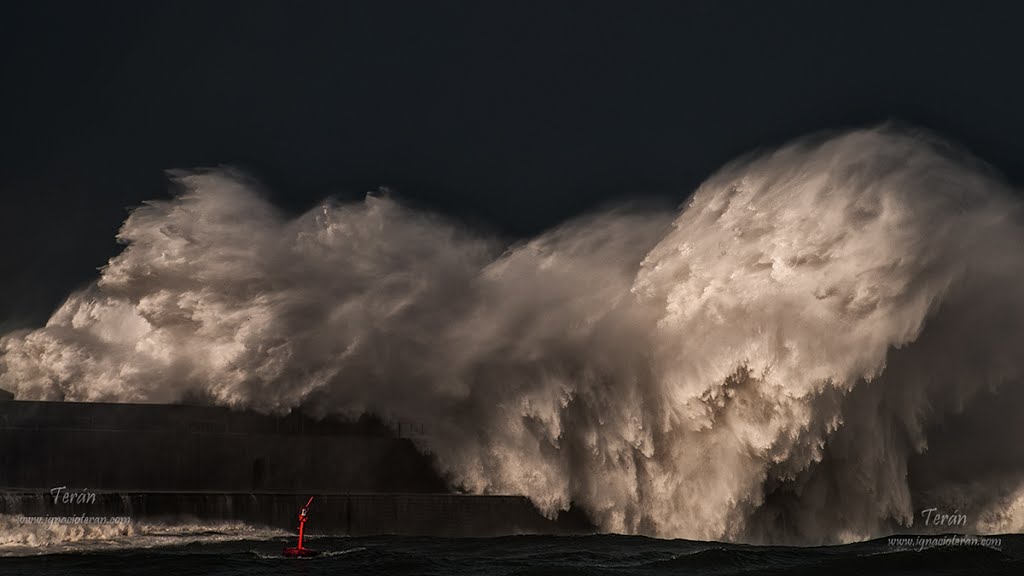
[510,115]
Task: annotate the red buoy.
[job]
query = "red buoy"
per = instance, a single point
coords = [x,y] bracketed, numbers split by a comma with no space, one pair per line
[300,550]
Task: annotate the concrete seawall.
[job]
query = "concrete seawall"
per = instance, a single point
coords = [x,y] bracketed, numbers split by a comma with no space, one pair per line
[337,514]
[165,448]
[181,463]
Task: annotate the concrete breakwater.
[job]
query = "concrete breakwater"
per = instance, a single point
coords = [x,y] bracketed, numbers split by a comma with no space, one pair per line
[142,448]
[337,514]
[180,463]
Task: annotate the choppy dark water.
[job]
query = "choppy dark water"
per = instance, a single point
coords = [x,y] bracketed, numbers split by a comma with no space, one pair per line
[523,555]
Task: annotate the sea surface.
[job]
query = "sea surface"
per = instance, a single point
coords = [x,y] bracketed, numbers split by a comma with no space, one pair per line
[213,553]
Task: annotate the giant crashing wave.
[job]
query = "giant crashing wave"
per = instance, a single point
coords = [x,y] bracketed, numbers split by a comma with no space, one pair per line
[824,341]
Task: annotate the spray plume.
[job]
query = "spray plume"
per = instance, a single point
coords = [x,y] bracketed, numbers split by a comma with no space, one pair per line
[811,351]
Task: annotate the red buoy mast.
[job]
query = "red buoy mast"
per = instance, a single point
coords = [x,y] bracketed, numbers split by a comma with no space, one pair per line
[301,550]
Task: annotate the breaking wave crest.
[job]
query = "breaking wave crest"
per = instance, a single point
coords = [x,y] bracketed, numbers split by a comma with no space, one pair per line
[825,340]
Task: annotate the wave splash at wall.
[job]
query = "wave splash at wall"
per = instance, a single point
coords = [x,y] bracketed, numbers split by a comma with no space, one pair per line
[807,352]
